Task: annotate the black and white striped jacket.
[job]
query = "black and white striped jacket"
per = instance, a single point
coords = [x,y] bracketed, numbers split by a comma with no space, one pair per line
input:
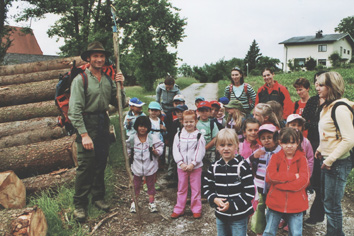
[233,181]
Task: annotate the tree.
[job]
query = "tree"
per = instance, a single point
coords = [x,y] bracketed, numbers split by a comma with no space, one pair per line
[267,62]
[148,28]
[252,56]
[335,59]
[5,31]
[346,25]
[185,70]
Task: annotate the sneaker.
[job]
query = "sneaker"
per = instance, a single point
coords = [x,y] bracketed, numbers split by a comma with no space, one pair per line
[157,187]
[80,214]
[145,187]
[132,207]
[101,204]
[197,215]
[152,207]
[282,223]
[175,215]
[311,222]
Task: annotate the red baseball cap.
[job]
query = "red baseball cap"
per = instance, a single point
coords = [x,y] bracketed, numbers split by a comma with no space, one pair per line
[216,103]
[204,104]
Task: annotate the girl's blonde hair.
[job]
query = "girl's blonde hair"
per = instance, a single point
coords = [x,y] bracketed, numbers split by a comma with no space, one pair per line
[227,136]
[237,118]
[266,110]
[334,83]
[190,113]
[290,135]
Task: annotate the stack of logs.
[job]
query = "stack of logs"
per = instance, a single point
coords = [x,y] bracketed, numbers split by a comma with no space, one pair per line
[32,146]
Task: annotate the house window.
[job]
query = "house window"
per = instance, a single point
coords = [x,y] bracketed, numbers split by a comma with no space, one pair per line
[348,52]
[322,62]
[299,62]
[345,51]
[322,48]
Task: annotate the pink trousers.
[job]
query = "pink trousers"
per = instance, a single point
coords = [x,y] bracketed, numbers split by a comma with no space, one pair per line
[194,178]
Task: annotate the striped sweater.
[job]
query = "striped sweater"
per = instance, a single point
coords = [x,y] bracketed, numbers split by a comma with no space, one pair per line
[233,182]
[243,98]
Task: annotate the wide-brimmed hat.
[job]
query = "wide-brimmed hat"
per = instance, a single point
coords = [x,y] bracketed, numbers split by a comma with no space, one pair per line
[235,104]
[94,47]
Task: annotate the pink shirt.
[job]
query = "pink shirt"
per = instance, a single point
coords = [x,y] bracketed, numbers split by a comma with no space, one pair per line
[245,149]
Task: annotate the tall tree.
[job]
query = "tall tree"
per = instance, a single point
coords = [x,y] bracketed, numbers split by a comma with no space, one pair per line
[5,30]
[148,29]
[252,56]
[346,25]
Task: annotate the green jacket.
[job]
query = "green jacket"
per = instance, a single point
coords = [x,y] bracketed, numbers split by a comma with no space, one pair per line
[98,96]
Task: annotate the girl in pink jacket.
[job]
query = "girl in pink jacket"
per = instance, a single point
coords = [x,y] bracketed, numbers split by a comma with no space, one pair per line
[188,152]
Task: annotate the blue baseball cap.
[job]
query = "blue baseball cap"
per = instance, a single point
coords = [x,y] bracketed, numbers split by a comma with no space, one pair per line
[199,98]
[181,107]
[136,102]
[154,105]
[224,100]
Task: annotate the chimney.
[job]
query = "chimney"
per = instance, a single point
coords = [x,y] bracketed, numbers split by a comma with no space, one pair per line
[319,34]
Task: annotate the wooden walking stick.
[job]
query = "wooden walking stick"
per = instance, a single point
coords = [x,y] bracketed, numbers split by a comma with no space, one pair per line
[120,112]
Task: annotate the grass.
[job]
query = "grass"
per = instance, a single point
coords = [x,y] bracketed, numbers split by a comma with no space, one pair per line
[58,205]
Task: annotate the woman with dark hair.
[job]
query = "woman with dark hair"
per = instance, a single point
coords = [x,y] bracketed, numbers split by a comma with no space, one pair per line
[272,90]
[336,140]
[311,114]
[238,90]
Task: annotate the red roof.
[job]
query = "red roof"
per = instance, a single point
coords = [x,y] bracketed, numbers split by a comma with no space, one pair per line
[23,43]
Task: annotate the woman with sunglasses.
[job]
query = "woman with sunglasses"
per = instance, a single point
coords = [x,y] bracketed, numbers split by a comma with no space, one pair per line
[238,90]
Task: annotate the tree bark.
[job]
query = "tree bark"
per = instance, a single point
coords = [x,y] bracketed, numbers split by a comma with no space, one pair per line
[39,158]
[34,136]
[28,111]
[49,181]
[62,63]
[31,77]
[26,222]
[12,190]
[28,93]
[17,127]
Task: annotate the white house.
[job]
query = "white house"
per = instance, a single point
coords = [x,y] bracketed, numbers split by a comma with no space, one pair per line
[319,47]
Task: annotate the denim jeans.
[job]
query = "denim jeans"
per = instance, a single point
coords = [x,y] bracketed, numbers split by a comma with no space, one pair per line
[273,219]
[334,181]
[231,227]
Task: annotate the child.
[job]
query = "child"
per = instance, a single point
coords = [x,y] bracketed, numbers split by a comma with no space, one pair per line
[188,153]
[134,112]
[236,116]
[144,150]
[215,108]
[288,176]
[260,160]
[157,126]
[264,114]
[198,100]
[229,186]
[221,116]
[167,90]
[278,110]
[249,145]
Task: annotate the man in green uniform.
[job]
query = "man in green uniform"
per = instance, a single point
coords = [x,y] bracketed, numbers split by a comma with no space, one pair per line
[88,114]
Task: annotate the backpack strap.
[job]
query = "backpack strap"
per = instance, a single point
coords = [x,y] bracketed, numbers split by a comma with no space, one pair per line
[211,127]
[333,114]
[230,91]
[296,106]
[151,144]
[85,81]
[239,168]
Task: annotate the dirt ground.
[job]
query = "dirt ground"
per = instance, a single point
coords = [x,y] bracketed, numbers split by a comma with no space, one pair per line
[160,223]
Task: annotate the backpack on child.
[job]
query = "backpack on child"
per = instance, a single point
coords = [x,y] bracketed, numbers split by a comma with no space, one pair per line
[62,92]
[131,141]
[333,116]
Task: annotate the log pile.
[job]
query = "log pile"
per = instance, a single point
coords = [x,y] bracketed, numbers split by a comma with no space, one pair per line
[32,146]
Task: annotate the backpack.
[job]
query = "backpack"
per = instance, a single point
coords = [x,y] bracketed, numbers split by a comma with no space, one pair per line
[333,116]
[62,92]
[245,85]
[198,137]
[131,140]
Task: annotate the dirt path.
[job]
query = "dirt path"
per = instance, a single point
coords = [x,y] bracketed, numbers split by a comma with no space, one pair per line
[151,224]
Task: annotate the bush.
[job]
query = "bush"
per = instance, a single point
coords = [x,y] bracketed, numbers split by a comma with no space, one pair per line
[335,59]
[310,63]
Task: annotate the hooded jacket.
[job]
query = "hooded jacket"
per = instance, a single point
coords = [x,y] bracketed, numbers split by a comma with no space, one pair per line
[166,96]
[288,194]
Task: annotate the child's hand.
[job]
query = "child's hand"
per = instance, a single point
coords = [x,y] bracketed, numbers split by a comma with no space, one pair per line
[154,151]
[297,175]
[257,154]
[222,203]
[162,127]
[183,167]
[190,167]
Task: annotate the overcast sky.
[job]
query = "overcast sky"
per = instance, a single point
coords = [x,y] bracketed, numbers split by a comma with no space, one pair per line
[223,29]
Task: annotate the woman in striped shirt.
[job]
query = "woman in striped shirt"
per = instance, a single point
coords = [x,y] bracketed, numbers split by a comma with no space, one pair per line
[238,90]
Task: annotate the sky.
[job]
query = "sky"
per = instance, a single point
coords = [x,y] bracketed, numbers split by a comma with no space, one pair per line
[223,29]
